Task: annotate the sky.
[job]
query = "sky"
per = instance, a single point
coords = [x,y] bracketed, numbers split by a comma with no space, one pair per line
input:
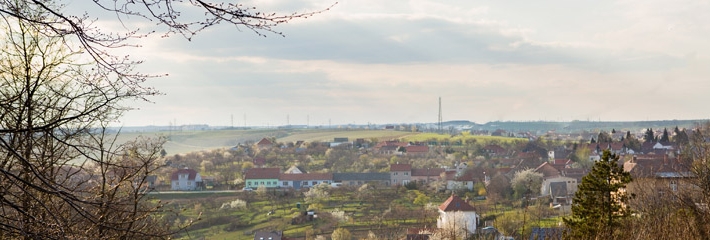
[378,62]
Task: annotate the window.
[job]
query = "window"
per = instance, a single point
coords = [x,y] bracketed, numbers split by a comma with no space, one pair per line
[285,183]
[304,183]
[314,183]
[406,173]
[274,183]
[249,183]
[674,185]
[261,183]
[395,174]
[268,183]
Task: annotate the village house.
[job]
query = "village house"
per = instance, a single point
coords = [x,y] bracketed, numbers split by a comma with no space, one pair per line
[416,150]
[267,177]
[264,144]
[400,174]
[304,180]
[426,175]
[454,204]
[357,179]
[185,179]
[658,173]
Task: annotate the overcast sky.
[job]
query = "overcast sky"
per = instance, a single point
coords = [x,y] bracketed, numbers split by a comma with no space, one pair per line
[373,61]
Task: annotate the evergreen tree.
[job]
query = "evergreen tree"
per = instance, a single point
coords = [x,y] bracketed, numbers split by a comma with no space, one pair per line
[648,136]
[598,207]
[680,138]
[665,138]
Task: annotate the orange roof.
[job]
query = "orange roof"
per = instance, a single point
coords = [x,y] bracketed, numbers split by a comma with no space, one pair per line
[418,149]
[263,173]
[455,203]
[400,167]
[264,141]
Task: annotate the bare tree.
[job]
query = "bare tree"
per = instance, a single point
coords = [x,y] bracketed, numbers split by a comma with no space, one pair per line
[62,175]
[185,18]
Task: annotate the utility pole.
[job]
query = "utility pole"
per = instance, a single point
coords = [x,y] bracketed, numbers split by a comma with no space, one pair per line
[440,118]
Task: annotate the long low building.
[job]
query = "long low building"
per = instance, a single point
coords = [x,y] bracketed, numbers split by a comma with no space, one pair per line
[399,174]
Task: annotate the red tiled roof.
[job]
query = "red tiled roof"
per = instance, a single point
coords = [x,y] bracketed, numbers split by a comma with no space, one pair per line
[432,172]
[306,176]
[262,173]
[417,149]
[561,161]
[455,203]
[547,170]
[191,174]
[264,141]
[400,167]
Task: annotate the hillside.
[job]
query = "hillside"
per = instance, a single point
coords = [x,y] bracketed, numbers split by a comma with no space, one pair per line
[188,141]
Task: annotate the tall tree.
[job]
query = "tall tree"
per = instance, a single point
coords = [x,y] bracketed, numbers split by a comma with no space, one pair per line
[648,136]
[604,137]
[665,138]
[599,205]
[681,137]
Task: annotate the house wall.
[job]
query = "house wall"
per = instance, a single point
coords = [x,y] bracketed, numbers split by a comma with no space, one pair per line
[183,183]
[451,184]
[643,186]
[298,184]
[571,185]
[268,183]
[469,220]
[400,177]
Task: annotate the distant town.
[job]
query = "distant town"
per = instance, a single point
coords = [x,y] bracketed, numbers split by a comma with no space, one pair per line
[416,185]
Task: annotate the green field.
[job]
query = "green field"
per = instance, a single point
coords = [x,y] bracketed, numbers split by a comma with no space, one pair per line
[180,142]
[427,137]
[329,135]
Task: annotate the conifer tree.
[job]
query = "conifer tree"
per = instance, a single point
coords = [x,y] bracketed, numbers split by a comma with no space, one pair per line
[599,204]
[648,136]
[665,138]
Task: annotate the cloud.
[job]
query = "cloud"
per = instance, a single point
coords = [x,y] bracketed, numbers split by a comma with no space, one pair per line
[388,61]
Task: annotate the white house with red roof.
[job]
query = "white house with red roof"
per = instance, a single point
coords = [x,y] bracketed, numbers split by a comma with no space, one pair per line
[457,209]
[185,179]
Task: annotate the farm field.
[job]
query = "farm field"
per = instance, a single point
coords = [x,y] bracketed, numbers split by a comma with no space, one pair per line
[180,142]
